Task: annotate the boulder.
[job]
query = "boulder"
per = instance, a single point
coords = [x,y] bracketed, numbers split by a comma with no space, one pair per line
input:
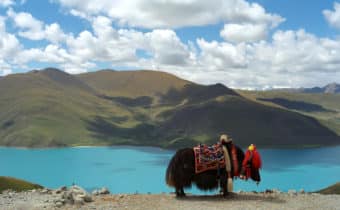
[78,200]
[104,191]
[45,191]
[76,195]
[60,189]
[59,204]
[292,192]
[101,191]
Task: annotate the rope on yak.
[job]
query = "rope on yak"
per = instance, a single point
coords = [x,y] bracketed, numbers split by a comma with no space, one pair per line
[228,168]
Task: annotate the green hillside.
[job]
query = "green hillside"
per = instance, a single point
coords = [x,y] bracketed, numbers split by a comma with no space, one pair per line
[52,108]
[334,189]
[9,183]
[323,107]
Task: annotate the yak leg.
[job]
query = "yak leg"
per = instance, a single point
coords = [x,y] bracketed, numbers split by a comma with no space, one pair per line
[180,192]
[223,184]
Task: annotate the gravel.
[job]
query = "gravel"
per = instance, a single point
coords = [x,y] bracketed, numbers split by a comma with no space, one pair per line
[271,199]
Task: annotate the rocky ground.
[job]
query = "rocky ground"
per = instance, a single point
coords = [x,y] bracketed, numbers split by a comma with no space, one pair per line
[77,198]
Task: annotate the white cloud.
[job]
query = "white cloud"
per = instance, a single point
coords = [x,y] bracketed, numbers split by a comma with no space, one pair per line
[9,46]
[54,33]
[245,58]
[222,56]
[244,32]
[5,68]
[6,3]
[173,13]
[34,29]
[289,59]
[167,49]
[298,51]
[31,28]
[333,17]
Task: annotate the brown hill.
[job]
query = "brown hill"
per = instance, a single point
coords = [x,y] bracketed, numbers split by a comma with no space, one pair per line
[53,108]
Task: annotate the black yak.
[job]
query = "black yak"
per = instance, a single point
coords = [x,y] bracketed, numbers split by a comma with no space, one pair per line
[181,173]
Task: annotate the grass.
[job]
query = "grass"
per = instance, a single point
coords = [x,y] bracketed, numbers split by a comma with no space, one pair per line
[52,108]
[334,189]
[329,102]
[9,183]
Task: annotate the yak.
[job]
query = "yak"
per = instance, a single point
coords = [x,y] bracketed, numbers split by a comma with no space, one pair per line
[181,173]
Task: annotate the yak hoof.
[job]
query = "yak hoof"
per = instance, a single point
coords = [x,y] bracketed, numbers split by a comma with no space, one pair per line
[225,194]
[180,193]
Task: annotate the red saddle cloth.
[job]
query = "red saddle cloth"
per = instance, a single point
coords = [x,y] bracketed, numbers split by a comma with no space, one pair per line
[208,157]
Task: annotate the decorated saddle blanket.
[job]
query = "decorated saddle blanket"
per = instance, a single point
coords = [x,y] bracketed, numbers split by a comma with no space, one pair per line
[208,157]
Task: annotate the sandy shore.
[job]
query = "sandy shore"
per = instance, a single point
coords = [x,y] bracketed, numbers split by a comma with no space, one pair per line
[243,200]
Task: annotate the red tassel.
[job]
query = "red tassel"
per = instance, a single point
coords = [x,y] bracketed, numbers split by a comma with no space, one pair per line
[257,163]
[246,158]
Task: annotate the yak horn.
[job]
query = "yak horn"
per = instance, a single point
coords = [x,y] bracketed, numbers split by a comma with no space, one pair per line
[228,168]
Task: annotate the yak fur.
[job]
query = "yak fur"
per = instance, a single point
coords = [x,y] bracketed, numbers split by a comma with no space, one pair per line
[181,174]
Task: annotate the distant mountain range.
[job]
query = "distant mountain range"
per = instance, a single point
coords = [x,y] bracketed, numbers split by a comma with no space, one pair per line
[52,108]
[332,88]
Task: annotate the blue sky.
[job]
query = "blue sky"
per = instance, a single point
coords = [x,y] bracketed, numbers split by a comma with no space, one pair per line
[243,44]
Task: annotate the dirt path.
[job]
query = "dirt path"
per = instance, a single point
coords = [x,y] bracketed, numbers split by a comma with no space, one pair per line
[235,201]
[244,201]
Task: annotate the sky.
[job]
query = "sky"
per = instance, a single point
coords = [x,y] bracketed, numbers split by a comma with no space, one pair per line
[242,44]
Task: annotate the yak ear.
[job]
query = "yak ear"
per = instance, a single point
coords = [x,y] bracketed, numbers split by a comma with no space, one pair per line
[230,184]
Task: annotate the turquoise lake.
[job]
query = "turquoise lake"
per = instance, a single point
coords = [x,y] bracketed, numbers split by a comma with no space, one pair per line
[125,169]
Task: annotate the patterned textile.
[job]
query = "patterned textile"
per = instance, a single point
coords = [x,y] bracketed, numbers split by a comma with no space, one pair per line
[208,157]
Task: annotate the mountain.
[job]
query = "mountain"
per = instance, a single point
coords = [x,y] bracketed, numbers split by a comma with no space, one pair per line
[52,108]
[323,107]
[332,88]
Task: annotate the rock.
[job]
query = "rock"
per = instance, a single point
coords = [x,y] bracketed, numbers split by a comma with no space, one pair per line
[268,191]
[75,195]
[78,200]
[60,189]
[88,198]
[77,190]
[67,195]
[59,204]
[45,191]
[276,191]
[292,192]
[104,191]
[101,191]
[95,192]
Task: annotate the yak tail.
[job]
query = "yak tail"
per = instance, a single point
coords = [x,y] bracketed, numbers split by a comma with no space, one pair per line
[181,168]
[169,174]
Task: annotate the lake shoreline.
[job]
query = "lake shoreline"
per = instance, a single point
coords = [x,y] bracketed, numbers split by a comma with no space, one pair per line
[285,147]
